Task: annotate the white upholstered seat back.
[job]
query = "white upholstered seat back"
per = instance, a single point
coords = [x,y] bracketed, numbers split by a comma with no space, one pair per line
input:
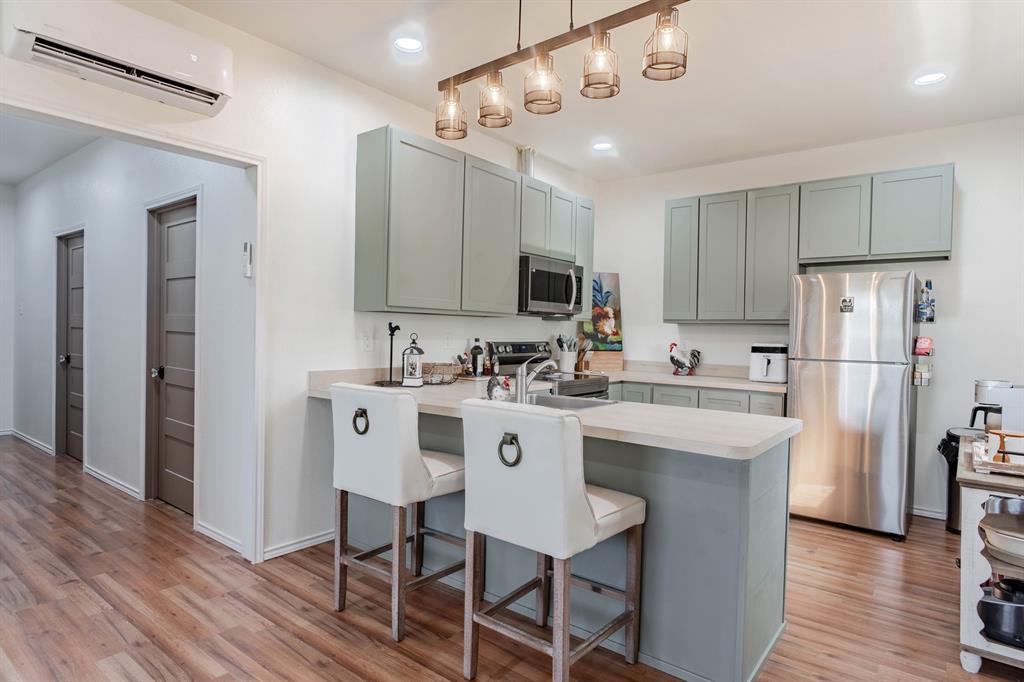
[540,503]
[384,463]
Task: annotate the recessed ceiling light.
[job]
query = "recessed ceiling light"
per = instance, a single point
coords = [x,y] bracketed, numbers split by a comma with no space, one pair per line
[930,78]
[603,146]
[409,45]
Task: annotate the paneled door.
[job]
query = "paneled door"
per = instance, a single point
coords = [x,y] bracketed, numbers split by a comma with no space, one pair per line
[70,346]
[172,315]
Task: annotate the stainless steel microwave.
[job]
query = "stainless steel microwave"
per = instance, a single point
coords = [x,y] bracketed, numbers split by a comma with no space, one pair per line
[550,287]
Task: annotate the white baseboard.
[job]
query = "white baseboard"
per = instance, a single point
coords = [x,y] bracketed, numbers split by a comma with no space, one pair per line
[6,432]
[930,513]
[38,444]
[296,545]
[111,481]
[218,536]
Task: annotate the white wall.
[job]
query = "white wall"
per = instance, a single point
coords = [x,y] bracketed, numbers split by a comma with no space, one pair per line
[303,119]
[105,188]
[6,307]
[979,331]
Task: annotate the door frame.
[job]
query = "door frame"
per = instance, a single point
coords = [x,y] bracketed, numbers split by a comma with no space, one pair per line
[59,382]
[150,434]
[118,127]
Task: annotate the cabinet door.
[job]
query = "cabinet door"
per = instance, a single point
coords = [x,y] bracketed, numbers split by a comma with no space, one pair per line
[680,297]
[636,393]
[772,218]
[490,238]
[562,232]
[722,249]
[536,215]
[585,252]
[771,404]
[679,396]
[835,218]
[727,401]
[425,224]
[615,391]
[912,211]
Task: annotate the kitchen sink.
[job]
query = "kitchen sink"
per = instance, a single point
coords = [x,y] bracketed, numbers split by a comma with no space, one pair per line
[565,402]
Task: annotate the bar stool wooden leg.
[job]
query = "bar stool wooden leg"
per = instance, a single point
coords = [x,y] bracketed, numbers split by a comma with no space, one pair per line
[561,640]
[544,590]
[419,509]
[475,567]
[340,548]
[634,570]
[399,573]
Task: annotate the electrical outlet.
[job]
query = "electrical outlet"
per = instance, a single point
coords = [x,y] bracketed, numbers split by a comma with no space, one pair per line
[21,310]
[449,342]
[366,343]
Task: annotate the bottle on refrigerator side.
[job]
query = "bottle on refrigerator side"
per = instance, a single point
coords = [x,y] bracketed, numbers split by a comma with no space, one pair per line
[476,358]
[926,303]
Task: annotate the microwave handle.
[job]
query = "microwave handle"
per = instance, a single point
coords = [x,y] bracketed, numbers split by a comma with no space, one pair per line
[572,297]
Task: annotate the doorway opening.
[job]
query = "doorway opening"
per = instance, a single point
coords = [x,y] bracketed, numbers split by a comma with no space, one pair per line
[70,390]
[171,344]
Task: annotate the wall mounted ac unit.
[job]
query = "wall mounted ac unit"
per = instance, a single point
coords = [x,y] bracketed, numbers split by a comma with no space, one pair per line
[117,46]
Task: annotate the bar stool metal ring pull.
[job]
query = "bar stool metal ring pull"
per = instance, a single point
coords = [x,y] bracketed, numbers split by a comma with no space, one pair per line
[510,439]
[360,413]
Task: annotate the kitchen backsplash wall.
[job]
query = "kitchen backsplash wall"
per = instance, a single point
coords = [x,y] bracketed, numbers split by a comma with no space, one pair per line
[979,328]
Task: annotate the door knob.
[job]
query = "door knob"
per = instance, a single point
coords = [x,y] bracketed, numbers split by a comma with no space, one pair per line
[156,372]
[62,359]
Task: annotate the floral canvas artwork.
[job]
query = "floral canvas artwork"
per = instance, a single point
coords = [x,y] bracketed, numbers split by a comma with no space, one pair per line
[605,325]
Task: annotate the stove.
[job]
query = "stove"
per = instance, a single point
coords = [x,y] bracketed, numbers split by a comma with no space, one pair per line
[512,354]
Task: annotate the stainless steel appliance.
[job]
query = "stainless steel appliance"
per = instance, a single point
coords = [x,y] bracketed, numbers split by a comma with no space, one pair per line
[512,354]
[768,362]
[550,287]
[851,337]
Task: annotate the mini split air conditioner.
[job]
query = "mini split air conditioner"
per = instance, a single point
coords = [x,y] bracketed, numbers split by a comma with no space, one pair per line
[108,43]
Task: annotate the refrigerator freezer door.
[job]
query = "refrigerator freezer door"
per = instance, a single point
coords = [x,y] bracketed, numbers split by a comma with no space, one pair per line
[851,464]
[864,316]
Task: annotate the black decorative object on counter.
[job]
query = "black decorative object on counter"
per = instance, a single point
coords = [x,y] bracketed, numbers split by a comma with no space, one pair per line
[390,381]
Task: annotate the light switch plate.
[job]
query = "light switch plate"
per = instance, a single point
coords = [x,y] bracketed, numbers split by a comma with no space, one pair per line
[366,343]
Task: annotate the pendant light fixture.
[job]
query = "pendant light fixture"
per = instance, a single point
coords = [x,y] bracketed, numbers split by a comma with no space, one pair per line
[600,69]
[665,50]
[450,122]
[543,87]
[494,111]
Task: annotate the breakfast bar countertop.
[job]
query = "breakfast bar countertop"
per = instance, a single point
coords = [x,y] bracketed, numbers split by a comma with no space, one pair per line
[728,435]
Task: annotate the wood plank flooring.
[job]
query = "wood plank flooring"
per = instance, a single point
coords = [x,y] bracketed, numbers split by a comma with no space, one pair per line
[97,586]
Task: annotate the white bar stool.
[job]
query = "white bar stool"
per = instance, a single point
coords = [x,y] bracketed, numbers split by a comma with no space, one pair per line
[377,455]
[524,485]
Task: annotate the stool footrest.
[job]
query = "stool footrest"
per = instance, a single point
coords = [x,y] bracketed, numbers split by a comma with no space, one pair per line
[599,636]
[513,633]
[512,596]
[596,587]
[436,575]
[444,537]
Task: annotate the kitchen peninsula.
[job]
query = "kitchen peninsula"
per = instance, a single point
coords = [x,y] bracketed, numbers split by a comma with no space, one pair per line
[715,538]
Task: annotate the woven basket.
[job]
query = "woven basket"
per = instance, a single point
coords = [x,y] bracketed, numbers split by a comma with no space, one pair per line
[441,372]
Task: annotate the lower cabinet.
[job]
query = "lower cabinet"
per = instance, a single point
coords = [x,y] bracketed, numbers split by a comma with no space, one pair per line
[727,401]
[615,392]
[770,404]
[680,396]
[636,393]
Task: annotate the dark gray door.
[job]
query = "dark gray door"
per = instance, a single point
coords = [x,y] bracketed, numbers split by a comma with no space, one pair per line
[70,345]
[172,309]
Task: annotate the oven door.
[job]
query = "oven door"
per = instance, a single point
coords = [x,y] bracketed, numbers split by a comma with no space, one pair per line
[550,287]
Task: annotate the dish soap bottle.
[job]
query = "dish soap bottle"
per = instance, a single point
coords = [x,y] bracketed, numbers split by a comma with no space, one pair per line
[476,358]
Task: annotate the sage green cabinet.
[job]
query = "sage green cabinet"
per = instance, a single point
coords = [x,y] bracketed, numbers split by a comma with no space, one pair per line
[912,212]
[615,391]
[562,235]
[490,238]
[727,401]
[585,252]
[771,260]
[680,276]
[636,393]
[679,396]
[409,210]
[722,252]
[835,218]
[536,216]
[771,404]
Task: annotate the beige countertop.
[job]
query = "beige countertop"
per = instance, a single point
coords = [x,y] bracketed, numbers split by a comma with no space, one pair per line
[969,478]
[729,435]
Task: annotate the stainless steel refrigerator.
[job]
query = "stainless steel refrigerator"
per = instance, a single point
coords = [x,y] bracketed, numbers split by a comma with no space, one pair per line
[851,338]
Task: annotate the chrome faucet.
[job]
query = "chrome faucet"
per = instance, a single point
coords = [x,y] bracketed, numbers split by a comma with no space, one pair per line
[523,380]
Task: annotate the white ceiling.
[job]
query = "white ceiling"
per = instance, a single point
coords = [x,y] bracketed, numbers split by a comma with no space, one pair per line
[765,76]
[27,147]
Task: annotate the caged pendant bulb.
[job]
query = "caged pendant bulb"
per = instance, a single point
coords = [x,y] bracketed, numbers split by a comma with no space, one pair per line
[600,69]
[665,50]
[450,122]
[494,111]
[543,87]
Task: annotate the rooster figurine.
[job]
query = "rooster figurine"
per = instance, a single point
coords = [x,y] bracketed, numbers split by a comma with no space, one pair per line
[684,362]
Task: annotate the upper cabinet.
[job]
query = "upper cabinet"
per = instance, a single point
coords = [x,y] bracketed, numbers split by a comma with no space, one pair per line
[536,216]
[772,220]
[912,212]
[585,251]
[490,279]
[835,218]
[722,252]
[680,300]
[562,235]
